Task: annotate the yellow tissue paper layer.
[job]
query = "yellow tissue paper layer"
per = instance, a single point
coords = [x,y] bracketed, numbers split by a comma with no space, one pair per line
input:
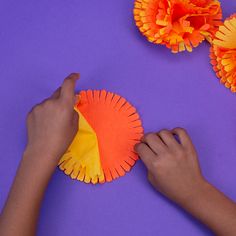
[82,159]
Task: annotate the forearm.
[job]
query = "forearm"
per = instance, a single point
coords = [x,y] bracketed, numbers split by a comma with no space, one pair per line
[212,208]
[21,210]
[51,125]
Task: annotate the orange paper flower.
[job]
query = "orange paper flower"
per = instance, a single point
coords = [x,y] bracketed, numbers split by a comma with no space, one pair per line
[103,148]
[223,53]
[178,24]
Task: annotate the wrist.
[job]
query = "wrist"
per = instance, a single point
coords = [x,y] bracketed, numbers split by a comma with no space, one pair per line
[40,156]
[38,163]
[197,195]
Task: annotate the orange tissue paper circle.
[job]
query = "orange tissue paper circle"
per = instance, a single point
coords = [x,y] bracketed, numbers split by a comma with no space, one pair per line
[103,148]
[223,53]
[178,24]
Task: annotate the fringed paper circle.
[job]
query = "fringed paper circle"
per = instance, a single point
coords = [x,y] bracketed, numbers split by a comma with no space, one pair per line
[102,150]
[223,53]
[178,24]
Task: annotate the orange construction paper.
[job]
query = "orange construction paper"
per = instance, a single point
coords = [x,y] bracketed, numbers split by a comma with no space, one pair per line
[178,24]
[223,53]
[114,124]
[117,126]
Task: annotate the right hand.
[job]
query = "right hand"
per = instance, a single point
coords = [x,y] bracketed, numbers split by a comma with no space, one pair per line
[173,167]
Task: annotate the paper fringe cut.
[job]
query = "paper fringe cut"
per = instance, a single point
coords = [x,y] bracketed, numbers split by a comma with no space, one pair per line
[225,37]
[102,150]
[223,53]
[178,24]
[81,161]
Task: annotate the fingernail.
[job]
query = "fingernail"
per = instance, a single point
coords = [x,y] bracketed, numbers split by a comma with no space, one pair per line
[74,75]
[77,75]
[135,146]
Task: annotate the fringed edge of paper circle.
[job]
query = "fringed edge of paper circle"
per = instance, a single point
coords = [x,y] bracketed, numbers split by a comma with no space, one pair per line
[122,105]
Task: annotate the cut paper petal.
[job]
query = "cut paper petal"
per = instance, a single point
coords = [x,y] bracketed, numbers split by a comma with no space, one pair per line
[178,24]
[102,150]
[225,37]
[223,53]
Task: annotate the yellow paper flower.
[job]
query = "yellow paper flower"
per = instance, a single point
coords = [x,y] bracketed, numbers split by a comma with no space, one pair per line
[178,24]
[223,53]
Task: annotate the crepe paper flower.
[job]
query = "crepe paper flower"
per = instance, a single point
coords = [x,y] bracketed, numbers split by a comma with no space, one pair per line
[178,24]
[102,150]
[223,53]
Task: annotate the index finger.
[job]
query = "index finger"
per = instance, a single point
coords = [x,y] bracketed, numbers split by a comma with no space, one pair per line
[146,154]
[68,87]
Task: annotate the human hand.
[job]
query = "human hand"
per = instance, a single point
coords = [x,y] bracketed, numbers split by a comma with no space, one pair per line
[53,124]
[173,167]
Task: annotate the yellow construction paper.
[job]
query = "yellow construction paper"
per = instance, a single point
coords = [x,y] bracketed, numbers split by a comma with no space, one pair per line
[82,160]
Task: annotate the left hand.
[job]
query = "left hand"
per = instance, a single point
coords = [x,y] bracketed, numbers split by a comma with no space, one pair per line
[53,123]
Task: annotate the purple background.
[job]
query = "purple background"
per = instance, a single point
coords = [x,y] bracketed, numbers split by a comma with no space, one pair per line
[42,41]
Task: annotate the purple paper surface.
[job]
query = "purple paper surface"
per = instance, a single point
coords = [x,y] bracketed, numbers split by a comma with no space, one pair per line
[43,41]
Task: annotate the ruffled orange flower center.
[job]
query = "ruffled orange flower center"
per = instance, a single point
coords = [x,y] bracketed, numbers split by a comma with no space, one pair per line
[178,24]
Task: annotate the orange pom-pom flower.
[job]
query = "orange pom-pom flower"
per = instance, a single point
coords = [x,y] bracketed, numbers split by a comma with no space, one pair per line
[223,53]
[178,24]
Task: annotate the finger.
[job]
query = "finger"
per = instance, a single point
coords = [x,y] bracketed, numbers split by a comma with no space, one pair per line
[146,154]
[183,136]
[168,138]
[56,93]
[68,87]
[154,142]
[76,120]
